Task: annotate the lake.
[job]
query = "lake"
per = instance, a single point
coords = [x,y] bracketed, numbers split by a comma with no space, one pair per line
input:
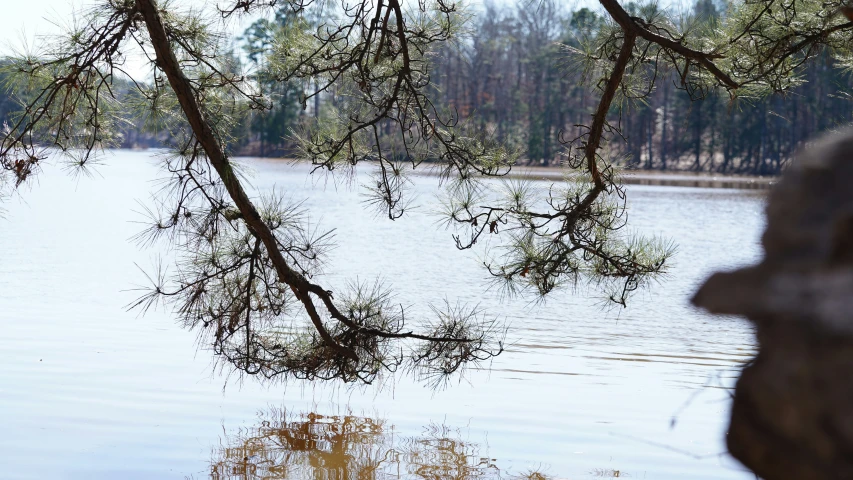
[89,390]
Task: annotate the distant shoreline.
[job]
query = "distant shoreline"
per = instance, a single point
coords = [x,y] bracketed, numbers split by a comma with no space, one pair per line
[629,177]
[663,178]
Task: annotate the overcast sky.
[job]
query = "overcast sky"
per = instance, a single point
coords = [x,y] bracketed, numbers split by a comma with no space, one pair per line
[23,21]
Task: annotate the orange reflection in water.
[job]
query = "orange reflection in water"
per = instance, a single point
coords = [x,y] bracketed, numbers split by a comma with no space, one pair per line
[347,447]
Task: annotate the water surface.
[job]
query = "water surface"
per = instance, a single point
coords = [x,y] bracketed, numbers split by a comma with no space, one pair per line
[89,390]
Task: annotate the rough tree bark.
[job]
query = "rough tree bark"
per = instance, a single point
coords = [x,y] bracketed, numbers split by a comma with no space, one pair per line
[792,414]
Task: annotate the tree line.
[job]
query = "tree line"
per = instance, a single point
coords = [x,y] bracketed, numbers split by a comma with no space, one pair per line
[514,79]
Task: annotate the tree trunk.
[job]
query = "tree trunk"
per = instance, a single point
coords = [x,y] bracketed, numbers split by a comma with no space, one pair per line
[650,129]
[697,147]
[664,123]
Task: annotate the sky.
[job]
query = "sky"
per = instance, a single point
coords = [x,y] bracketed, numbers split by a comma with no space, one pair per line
[24,21]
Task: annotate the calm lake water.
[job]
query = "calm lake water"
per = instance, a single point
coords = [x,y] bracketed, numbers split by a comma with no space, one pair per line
[91,391]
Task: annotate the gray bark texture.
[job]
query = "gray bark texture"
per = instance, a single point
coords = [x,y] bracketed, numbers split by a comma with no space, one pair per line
[792,413]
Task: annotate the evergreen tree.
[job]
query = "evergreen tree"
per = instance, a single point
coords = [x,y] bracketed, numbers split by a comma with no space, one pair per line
[272,126]
[247,267]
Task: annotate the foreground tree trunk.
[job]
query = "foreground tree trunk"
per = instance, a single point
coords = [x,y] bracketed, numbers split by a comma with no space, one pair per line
[792,415]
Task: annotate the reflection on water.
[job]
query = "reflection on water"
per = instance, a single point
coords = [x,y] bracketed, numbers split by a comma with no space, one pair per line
[343,447]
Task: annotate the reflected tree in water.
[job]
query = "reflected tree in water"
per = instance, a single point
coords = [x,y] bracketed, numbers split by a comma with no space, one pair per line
[350,447]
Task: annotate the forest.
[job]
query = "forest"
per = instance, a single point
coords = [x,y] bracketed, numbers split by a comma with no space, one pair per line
[516,75]
[513,78]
